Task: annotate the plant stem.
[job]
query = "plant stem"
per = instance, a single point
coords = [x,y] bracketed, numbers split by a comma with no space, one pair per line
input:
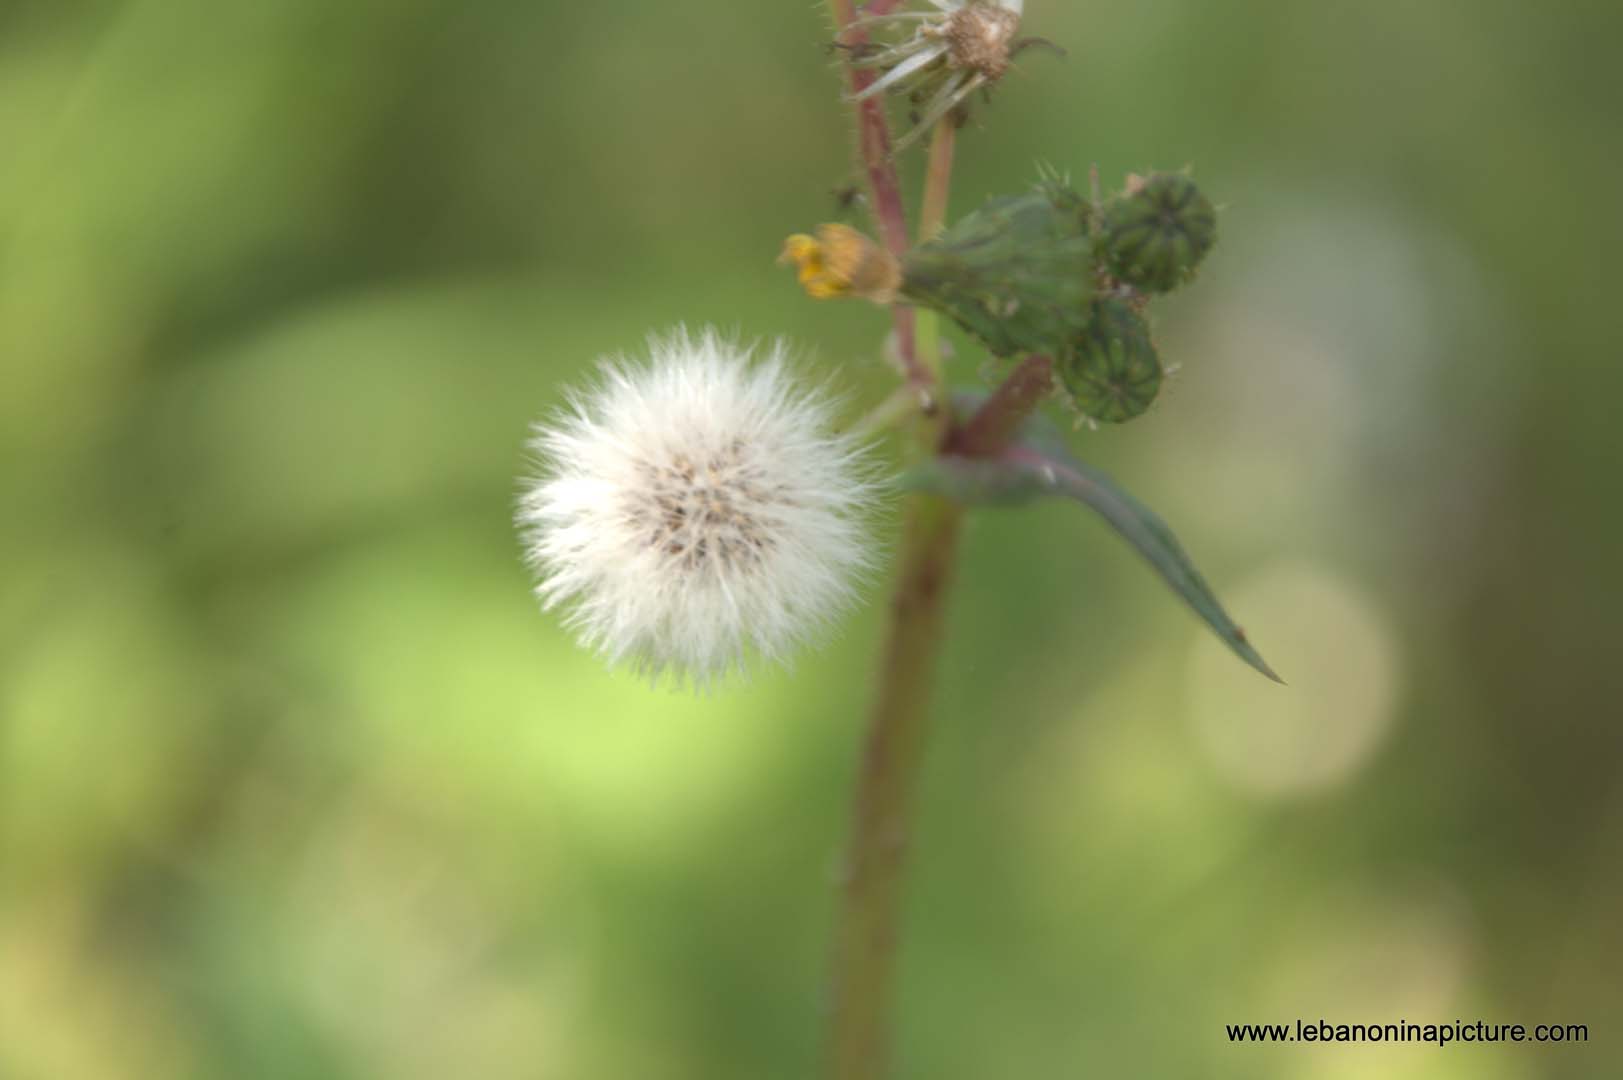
[901,404]
[938,177]
[865,941]
[932,218]
[873,142]
[865,945]
[893,752]
[1000,416]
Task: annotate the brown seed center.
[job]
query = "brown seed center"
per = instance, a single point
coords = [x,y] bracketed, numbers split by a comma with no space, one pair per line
[705,514]
[978,37]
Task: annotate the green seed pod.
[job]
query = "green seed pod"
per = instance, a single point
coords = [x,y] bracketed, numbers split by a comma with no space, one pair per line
[1156,235]
[1111,370]
[1017,273]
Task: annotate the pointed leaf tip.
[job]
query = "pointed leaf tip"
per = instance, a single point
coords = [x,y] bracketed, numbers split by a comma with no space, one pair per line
[1024,473]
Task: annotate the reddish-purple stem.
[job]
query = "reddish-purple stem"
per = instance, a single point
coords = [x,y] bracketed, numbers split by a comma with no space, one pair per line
[873,140]
[995,424]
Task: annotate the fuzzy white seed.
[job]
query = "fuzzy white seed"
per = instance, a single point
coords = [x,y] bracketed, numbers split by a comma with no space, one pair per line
[696,507]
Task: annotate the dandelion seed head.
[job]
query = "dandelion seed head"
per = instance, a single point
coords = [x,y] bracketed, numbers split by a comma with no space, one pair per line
[696,508]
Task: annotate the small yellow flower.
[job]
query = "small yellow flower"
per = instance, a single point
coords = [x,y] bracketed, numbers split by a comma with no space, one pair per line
[841,261]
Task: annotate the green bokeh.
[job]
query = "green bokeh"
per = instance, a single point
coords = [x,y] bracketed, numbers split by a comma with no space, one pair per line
[296,781]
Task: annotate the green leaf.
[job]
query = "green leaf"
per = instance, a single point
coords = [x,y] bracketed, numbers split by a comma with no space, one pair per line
[1023,473]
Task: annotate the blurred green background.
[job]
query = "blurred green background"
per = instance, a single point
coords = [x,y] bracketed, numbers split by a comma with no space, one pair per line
[296,781]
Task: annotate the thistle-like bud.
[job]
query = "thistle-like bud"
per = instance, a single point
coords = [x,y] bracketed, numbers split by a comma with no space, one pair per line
[842,261]
[1017,273]
[1156,232]
[1111,370]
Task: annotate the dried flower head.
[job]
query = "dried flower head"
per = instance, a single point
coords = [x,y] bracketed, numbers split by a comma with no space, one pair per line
[696,508]
[953,51]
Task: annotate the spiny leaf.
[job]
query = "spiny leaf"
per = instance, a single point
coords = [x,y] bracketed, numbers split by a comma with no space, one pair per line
[1024,473]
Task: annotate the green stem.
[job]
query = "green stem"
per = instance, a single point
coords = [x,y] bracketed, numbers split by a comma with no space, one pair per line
[896,408]
[932,219]
[893,752]
[870,900]
[938,178]
[871,886]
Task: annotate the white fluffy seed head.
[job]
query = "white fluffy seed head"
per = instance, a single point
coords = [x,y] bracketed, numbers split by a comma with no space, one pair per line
[696,508]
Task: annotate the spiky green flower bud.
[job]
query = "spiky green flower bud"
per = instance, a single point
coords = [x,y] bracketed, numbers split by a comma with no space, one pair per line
[1111,369]
[1156,233]
[1017,273]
